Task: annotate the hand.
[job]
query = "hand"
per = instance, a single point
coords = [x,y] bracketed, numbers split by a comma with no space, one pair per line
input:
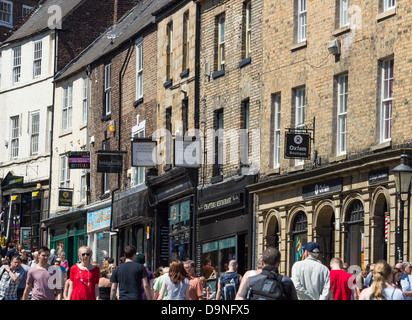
[7,267]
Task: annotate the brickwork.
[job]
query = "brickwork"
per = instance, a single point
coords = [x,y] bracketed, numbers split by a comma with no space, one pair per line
[146,110]
[237,85]
[182,86]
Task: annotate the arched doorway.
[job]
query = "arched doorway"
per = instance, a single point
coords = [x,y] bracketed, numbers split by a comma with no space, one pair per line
[325,233]
[299,237]
[380,245]
[273,233]
[355,234]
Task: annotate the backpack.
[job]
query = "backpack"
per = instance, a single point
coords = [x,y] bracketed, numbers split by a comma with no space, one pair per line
[266,286]
[229,283]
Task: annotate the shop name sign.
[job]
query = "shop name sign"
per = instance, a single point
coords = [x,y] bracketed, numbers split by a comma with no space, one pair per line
[322,188]
[98,219]
[79,159]
[109,163]
[297,145]
[65,198]
[378,175]
[227,201]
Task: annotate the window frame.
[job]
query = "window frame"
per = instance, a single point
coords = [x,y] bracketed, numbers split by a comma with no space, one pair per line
[14,137]
[37,59]
[387,7]
[300,112]
[386,109]
[16,73]
[221,41]
[169,51]
[67,107]
[34,133]
[5,23]
[26,9]
[64,176]
[302,21]
[85,98]
[186,41]
[107,89]
[248,29]
[138,173]
[344,13]
[139,69]
[342,114]
[219,142]
[277,130]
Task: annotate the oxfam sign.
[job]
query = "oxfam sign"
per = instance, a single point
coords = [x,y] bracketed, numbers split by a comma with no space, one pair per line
[297,145]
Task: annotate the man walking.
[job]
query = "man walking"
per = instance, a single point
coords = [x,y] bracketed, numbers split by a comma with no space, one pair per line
[195,285]
[310,277]
[129,276]
[269,284]
[38,279]
[225,289]
[10,279]
[406,279]
[342,283]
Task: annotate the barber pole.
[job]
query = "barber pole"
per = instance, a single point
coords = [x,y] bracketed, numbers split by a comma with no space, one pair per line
[386,227]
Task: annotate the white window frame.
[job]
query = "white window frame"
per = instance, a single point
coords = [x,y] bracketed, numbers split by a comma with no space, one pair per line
[138,173]
[389,5]
[25,10]
[302,6]
[186,41]
[3,14]
[85,90]
[37,58]
[64,171]
[108,89]
[139,69]
[386,100]
[67,110]
[221,21]
[14,137]
[248,29]
[344,13]
[16,65]
[342,111]
[34,132]
[277,132]
[300,106]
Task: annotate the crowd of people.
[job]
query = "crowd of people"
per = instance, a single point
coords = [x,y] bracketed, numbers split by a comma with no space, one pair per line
[46,275]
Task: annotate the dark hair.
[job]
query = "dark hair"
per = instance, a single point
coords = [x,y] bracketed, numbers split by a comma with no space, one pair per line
[42,249]
[177,272]
[130,251]
[271,256]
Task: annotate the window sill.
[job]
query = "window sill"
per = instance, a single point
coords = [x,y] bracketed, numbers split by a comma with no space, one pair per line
[216,179]
[381,146]
[185,73]
[340,31]
[218,74]
[138,102]
[83,126]
[105,195]
[383,15]
[338,158]
[168,83]
[297,46]
[65,133]
[245,62]
[106,117]
[297,168]
[272,172]
[167,167]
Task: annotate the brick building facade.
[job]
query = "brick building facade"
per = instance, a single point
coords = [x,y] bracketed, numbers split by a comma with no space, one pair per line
[355,104]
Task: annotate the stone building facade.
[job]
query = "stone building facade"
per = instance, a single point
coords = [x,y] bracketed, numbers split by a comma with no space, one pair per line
[340,74]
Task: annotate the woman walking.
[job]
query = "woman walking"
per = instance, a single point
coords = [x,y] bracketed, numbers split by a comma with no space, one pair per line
[381,288]
[176,284]
[84,278]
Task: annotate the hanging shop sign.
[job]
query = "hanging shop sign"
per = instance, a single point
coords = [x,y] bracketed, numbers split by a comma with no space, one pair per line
[79,159]
[65,198]
[143,152]
[109,163]
[322,188]
[297,145]
[98,219]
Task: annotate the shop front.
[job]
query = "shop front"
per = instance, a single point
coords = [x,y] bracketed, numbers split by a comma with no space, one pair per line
[172,196]
[133,219]
[224,221]
[99,237]
[349,208]
[67,233]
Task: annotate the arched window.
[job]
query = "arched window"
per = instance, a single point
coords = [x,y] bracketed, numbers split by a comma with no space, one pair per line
[299,236]
[355,234]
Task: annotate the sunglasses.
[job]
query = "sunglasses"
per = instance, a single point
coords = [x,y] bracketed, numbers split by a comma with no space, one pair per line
[85,254]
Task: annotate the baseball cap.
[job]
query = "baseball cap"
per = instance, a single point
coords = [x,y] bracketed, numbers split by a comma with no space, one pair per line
[312,247]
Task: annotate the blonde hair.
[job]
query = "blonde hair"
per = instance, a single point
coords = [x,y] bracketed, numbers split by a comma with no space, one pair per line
[381,274]
[85,248]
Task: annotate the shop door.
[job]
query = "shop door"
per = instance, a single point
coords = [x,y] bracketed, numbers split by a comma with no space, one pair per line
[355,235]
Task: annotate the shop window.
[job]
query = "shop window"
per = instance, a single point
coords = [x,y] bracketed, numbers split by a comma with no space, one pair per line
[355,234]
[179,221]
[299,236]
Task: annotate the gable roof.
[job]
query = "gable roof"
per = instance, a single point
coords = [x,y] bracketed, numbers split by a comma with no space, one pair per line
[128,27]
[39,21]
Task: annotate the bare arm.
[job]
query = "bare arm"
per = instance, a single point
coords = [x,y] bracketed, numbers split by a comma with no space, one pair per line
[113,291]
[26,292]
[162,291]
[147,289]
